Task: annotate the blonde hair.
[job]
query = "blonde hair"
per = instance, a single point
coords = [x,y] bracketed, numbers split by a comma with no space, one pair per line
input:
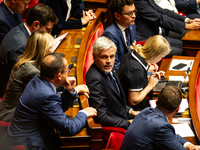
[37,46]
[154,46]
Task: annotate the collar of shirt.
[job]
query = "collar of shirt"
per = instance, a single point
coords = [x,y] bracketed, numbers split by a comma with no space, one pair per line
[140,60]
[53,86]
[10,10]
[29,32]
[69,5]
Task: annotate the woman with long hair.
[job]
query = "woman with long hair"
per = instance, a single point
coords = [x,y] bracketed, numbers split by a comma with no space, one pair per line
[27,66]
[134,67]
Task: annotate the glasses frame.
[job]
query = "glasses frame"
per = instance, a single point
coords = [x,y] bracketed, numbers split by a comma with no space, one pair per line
[130,14]
[48,30]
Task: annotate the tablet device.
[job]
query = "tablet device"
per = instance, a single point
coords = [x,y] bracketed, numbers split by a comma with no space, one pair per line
[179,66]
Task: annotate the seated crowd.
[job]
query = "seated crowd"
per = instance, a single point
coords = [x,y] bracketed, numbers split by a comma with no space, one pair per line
[118,84]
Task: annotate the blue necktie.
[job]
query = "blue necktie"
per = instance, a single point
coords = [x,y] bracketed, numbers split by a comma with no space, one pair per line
[113,81]
[127,37]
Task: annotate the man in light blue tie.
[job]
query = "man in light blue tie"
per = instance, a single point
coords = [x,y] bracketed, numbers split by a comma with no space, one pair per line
[122,30]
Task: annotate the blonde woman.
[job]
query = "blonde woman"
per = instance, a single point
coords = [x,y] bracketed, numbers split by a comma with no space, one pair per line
[134,67]
[27,66]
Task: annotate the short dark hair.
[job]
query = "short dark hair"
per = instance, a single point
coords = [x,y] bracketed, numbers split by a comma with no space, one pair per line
[169,98]
[51,69]
[41,13]
[117,5]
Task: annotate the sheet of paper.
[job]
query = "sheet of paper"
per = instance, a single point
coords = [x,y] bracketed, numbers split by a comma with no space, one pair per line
[183,106]
[183,130]
[178,78]
[177,61]
[58,40]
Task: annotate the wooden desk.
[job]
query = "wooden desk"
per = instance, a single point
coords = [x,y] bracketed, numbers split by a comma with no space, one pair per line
[191,42]
[74,45]
[165,67]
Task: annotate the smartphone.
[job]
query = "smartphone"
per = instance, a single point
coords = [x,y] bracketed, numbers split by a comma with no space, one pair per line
[179,66]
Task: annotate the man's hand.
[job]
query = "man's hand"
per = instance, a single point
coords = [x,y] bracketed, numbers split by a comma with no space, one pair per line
[82,89]
[70,84]
[87,16]
[194,25]
[131,120]
[134,113]
[91,111]
[192,147]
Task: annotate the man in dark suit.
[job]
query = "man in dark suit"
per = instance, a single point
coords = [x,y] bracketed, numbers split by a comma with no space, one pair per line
[106,93]
[151,130]
[152,20]
[122,30]
[189,7]
[40,17]
[40,110]
[64,9]
[11,15]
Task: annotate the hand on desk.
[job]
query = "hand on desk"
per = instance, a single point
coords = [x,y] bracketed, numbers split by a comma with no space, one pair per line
[82,89]
[192,147]
[91,111]
[87,16]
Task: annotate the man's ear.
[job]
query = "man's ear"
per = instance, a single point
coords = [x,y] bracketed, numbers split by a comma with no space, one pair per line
[59,76]
[117,16]
[35,25]
[177,109]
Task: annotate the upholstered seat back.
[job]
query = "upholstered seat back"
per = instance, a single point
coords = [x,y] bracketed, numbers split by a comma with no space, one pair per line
[197,96]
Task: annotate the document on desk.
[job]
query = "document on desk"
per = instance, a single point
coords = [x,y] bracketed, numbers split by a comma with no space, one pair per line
[183,130]
[183,106]
[175,62]
[179,78]
[58,40]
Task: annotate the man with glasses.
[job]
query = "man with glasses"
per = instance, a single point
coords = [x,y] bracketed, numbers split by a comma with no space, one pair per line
[122,30]
[39,17]
[40,110]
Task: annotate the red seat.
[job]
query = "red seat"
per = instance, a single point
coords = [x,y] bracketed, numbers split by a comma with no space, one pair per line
[197,96]
[106,131]
[3,129]
[115,141]
[1,1]
[89,58]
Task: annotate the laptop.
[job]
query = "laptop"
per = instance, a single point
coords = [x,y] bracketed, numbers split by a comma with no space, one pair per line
[165,82]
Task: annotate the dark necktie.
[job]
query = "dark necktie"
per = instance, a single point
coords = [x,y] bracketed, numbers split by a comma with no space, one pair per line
[127,37]
[113,81]
[16,18]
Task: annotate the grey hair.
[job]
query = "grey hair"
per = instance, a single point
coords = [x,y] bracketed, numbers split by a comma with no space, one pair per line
[102,43]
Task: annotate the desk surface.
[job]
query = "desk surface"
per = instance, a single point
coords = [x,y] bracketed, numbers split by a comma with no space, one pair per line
[165,67]
[191,42]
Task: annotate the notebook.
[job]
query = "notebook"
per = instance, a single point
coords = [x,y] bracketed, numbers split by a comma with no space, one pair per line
[164,82]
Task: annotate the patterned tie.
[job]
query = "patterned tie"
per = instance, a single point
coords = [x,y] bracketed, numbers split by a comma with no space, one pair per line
[127,38]
[112,79]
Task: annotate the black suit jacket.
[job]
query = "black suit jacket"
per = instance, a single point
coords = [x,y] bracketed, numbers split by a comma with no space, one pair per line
[60,8]
[111,106]
[7,20]
[150,17]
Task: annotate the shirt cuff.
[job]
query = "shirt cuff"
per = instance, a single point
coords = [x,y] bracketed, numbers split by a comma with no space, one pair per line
[74,93]
[84,112]
[185,144]
[187,20]
[130,110]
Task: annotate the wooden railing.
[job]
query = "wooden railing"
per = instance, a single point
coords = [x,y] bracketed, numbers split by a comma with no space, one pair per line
[192,98]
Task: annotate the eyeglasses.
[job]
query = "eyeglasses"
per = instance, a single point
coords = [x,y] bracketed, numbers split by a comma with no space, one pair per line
[70,67]
[48,30]
[130,13]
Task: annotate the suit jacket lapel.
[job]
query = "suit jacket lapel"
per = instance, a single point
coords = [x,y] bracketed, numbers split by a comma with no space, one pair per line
[9,15]
[22,26]
[121,36]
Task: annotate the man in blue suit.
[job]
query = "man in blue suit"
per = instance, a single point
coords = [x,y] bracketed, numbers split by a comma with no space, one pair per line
[152,20]
[122,30]
[64,9]
[40,17]
[40,110]
[150,130]
[11,15]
